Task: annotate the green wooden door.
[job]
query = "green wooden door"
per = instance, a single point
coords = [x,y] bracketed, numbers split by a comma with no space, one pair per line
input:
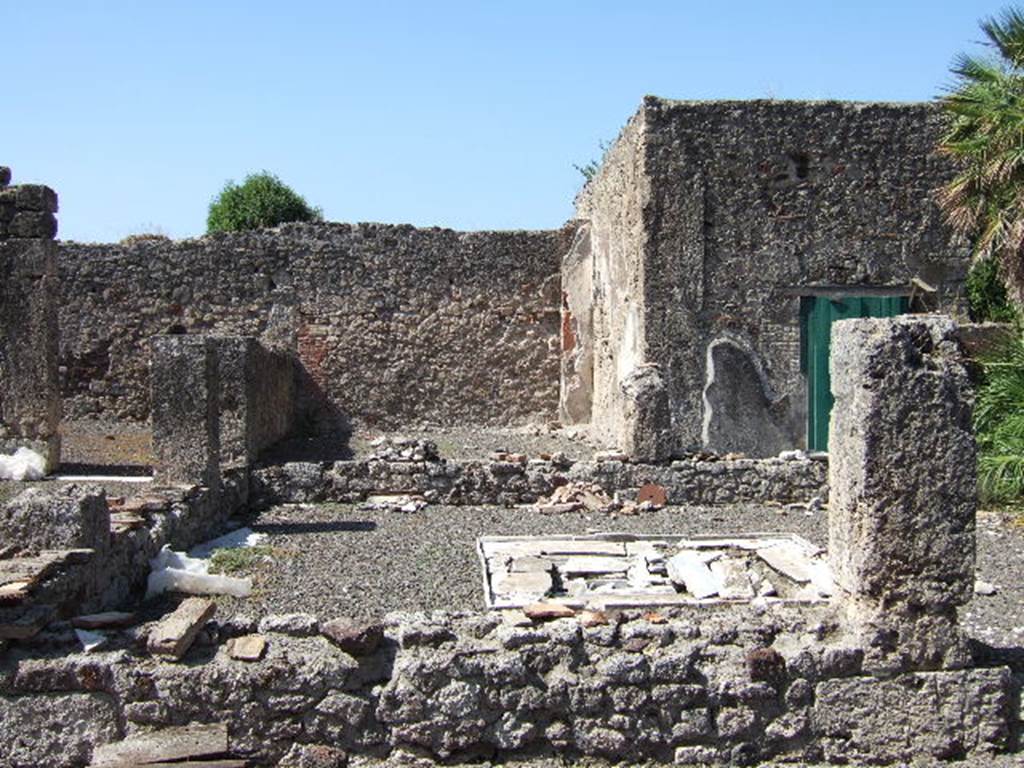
[817,315]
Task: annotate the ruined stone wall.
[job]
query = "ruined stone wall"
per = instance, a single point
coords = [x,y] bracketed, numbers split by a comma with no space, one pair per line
[733,686]
[606,330]
[29,400]
[749,206]
[391,324]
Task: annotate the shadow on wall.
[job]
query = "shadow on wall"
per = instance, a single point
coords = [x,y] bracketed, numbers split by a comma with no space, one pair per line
[741,413]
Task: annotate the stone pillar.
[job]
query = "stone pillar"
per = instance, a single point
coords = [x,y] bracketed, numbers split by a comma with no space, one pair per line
[647,422]
[29,338]
[185,410]
[903,475]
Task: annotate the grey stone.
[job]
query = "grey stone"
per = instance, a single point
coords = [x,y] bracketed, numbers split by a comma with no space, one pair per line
[935,715]
[58,729]
[294,624]
[72,517]
[903,484]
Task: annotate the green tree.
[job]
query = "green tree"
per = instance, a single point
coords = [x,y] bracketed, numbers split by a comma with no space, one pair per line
[262,200]
[985,136]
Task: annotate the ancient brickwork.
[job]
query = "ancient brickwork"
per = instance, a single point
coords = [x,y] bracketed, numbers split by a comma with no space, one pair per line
[725,214]
[29,398]
[393,325]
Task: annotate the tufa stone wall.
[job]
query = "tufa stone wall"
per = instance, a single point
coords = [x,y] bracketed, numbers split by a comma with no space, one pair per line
[709,222]
[390,324]
[29,398]
[903,476]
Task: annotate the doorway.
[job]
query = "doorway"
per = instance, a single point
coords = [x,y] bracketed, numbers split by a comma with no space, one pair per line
[817,313]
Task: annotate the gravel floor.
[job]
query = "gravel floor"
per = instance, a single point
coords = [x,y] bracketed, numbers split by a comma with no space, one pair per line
[338,559]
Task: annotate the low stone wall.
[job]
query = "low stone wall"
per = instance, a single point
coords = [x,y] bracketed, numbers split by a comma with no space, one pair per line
[691,481]
[115,540]
[704,686]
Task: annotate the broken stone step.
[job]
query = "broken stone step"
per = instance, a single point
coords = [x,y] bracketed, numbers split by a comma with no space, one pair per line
[582,547]
[174,635]
[181,746]
[26,625]
[688,570]
[789,560]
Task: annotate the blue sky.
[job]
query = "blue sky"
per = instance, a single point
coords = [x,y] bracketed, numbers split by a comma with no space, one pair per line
[460,114]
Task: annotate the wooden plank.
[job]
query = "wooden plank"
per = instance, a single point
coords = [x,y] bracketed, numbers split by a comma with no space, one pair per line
[168,745]
[174,634]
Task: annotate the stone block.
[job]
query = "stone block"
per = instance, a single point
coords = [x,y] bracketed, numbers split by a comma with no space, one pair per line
[932,716]
[185,395]
[902,463]
[33,224]
[36,197]
[647,423]
[74,517]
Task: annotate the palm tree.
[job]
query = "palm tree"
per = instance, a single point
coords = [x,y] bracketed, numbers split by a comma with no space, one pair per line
[985,201]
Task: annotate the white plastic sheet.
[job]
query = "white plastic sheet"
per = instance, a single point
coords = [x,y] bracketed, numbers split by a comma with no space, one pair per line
[172,571]
[23,464]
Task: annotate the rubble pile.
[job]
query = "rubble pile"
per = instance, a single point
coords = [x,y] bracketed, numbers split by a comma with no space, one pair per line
[388,448]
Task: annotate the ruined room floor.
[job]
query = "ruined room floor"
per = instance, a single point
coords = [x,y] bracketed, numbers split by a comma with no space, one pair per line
[331,559]
[334,559]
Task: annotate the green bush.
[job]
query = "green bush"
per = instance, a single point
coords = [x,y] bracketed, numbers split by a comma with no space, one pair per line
[262,200]
[986,293]
[999,424]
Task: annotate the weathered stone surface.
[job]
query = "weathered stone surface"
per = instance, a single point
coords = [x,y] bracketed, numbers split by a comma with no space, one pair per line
[185,384]
[903,462]
[247,647]
[903,484]
[72,517]
[329,294]
[295,624]
[175,633]
[58,729]
[711,219]
[30,404]
[741,412]
[935,716]
[689,481]
[185,743]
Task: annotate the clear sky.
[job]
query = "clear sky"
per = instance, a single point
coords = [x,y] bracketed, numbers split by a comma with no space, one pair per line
[459,114]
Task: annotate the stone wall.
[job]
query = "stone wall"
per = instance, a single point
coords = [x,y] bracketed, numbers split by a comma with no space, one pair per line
[217,403]
[688,481]
[735,211]
[29,399]
[391,325]
[734,686]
